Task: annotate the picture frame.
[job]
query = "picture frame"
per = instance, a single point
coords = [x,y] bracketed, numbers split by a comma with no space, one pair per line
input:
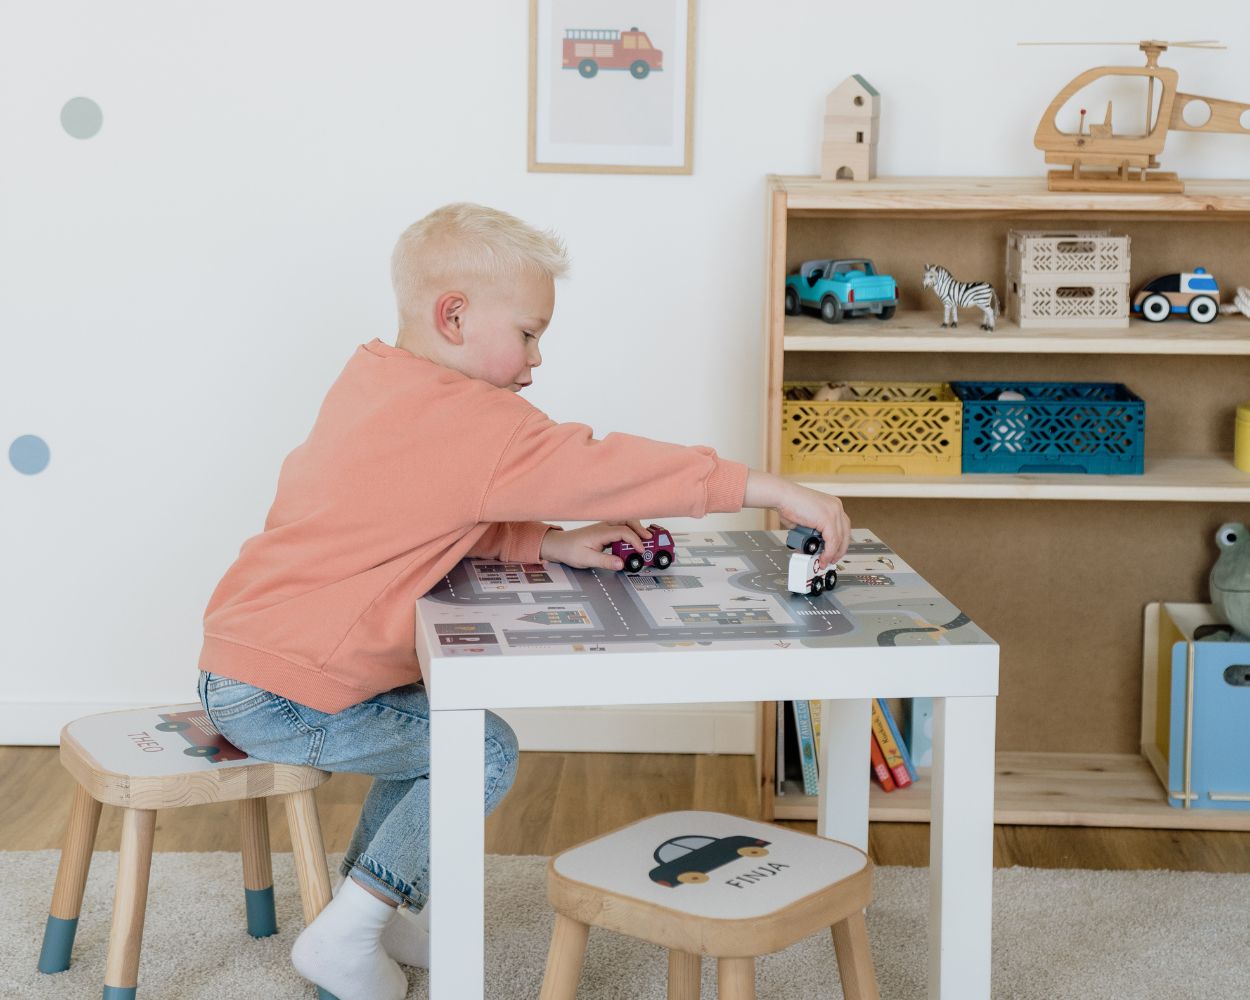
[611,86]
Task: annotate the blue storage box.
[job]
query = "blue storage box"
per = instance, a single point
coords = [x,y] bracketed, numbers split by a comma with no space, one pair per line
[1090,427]
[1196,728]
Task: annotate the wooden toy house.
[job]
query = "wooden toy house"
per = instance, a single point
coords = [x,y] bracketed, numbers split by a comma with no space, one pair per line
[849,147]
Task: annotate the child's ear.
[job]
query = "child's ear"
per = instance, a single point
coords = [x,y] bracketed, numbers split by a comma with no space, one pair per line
[449,316]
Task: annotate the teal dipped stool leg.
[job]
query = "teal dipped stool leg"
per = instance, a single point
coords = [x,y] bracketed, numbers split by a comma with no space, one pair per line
[257,868]
[71,881]
[121,971]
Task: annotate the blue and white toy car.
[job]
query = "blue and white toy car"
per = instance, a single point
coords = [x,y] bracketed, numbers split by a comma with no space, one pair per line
[841,287]
[1195,294]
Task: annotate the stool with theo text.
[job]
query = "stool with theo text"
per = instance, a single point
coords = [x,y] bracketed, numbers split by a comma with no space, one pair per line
[164,758]
[703,883]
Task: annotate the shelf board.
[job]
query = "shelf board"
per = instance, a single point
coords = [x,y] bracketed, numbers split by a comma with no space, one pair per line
[1048,789]
[918,331]
[913,196]
[1180,478]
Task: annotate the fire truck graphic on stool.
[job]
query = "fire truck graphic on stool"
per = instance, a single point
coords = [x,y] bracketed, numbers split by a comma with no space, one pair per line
[589,50]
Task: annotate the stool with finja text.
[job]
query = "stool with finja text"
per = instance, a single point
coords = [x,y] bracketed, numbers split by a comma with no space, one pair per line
[163,758]
[703,883]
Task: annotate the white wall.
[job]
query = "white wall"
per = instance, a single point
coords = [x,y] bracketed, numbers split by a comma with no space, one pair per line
[177,293]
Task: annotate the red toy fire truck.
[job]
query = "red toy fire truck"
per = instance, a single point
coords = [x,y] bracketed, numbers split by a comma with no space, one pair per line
[658,550]
[589,50]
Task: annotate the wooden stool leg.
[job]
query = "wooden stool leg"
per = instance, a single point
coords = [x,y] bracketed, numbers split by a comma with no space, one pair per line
[564,959]
[850,944]
[71,881]
[683,975]
[262,920]
[735,978]
[121,970]
[309,851]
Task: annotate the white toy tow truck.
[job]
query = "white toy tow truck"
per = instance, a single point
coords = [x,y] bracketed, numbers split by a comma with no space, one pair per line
[802,577]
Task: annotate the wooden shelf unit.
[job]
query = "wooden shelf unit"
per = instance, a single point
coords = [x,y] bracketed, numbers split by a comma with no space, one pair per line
[1061,586]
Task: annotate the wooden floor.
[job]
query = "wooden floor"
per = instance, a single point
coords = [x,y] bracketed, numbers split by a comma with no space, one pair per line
[560,799]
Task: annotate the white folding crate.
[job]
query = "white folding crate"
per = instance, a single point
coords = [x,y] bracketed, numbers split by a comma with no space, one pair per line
[1071,278]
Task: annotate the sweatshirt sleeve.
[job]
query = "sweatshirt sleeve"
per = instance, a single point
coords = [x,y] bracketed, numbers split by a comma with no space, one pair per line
[512,541]
[562,472]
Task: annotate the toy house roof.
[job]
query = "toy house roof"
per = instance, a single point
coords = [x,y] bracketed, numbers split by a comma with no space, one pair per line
[857,82]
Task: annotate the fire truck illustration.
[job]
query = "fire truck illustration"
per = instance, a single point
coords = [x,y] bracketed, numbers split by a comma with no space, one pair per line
[201,734]
[589,50]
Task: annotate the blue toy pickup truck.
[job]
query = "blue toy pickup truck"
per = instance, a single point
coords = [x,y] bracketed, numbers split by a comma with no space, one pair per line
[848,287]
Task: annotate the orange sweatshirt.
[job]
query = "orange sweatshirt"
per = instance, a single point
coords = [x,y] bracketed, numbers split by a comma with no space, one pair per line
[409,468]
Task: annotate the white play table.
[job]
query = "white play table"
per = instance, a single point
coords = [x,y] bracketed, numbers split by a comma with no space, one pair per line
[720,628]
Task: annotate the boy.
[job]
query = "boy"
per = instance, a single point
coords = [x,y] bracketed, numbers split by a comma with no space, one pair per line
[422,454]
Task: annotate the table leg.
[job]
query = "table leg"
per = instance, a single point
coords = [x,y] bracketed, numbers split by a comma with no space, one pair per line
[842,809]
[457,854]
[961,849]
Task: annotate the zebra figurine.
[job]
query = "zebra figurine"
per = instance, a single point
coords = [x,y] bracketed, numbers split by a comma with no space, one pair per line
[955,294]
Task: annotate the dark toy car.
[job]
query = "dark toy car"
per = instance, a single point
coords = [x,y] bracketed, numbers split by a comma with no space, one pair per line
[688,859]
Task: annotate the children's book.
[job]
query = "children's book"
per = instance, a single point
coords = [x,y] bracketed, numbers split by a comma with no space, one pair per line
[918,729]
[889,748]
[780,764]
[879,770]
[807,747]
[898,738]
[813,706]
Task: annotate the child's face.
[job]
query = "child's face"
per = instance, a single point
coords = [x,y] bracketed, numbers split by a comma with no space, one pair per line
[501,328]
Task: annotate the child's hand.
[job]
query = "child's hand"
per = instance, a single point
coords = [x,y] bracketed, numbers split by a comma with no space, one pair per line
[582,548]
[798,505]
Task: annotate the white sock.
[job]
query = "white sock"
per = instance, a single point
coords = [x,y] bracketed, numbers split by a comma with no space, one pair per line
[341,951]
[407,937]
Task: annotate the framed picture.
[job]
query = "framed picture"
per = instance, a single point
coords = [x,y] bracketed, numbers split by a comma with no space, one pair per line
[611,86]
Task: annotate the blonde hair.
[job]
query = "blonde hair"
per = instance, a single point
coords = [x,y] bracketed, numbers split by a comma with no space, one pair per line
[464,240]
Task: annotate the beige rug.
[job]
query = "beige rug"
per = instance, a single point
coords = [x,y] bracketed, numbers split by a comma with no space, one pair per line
[1057,935]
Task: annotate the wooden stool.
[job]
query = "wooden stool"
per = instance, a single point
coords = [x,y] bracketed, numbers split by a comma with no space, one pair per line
[701,883]
[163,758]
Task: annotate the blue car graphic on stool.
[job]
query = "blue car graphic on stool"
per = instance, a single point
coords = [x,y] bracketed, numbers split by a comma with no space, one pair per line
[841,287]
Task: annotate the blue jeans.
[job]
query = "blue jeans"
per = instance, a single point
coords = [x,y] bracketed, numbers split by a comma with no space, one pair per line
[387,736]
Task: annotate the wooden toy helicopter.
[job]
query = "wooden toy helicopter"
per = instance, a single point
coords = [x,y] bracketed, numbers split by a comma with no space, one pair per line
[1125,161]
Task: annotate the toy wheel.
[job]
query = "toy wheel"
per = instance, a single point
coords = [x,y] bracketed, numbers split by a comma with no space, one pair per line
[588,68]
[638,69]
[818,586]
[200,751]
[1203,309]
[753,852]
[811,546]
[792,303]
[664,560]
[633,562]
[1156,308]
[172,727]
[831,309]
[689,878]
[831,579]
[886,313]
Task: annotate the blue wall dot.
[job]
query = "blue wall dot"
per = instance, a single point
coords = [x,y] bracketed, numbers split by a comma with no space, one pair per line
[81,117]
[29,454]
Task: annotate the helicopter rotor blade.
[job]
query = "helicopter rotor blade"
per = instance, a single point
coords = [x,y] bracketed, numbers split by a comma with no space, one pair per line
[1206,43]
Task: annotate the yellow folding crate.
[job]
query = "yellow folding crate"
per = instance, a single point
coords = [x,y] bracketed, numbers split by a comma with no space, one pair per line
[900,428]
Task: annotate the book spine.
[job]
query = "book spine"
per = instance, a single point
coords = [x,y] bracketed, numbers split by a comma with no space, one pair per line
[813,706]
[879,770]
[918,728]
[889,749]
[898,739]
[780,763]
[807,748]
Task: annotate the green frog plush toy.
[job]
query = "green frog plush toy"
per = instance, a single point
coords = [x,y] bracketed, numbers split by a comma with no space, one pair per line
[1230,576]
